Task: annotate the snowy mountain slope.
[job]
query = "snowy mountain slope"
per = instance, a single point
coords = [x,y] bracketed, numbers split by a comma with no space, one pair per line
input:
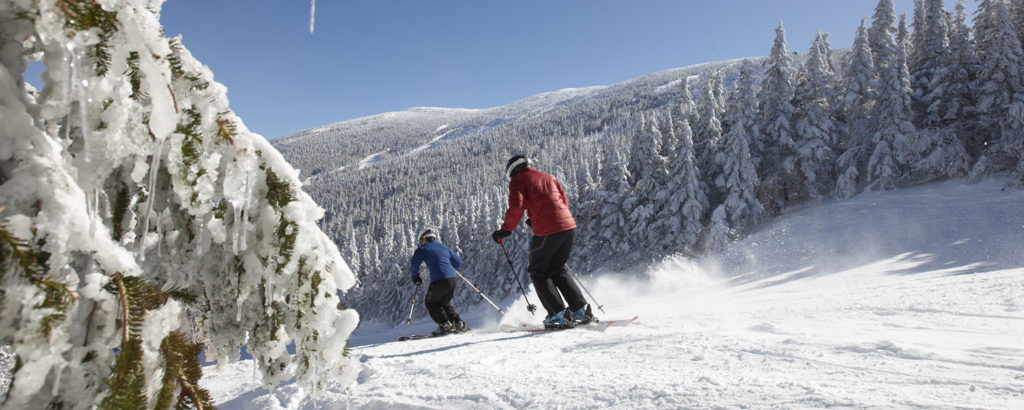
[910,298]
[348,142]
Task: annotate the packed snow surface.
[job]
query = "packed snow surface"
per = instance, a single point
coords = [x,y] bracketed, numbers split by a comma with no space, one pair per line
[911,298]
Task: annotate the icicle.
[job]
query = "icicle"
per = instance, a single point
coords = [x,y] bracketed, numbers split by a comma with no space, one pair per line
[240,221]
[200,240]
[312,15]
[59,370]
[83,119]
[67,93]
[159,236]
[153,168]
[77,85]
[234,229]
[93,210]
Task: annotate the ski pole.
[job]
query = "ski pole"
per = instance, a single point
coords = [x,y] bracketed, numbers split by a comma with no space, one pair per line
[408,320]
[599,306]
[479,292]
[529,306]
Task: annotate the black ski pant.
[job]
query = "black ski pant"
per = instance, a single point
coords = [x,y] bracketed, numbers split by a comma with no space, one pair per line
[439,298]
[548,255]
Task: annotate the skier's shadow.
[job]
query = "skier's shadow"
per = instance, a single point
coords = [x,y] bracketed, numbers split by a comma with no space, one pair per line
[450,347]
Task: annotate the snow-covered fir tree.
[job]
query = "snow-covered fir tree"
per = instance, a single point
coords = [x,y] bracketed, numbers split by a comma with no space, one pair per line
[707,132]
[609,225]
[685,209]
[776,124]
[1001,88]
[941,96]
[739,180]
[144,220]
[892,109]
[882,32]
[649,171]
[685,104]
[815,123]
[909,150]
[859,85]
[959,83]
[929,61]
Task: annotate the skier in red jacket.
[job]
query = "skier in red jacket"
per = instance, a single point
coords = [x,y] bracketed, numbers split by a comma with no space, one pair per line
[541,197]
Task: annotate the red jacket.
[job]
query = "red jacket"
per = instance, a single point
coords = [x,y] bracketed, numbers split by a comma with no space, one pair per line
[542,198]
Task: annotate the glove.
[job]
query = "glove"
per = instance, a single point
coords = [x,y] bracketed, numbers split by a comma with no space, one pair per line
[500,234]
[529,223]
[417,280]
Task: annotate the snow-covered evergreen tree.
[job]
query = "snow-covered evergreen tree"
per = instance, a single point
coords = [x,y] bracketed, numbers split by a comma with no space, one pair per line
[892,109]
[739,180]
[908,147]
[685,105]
[941,97]
[929,61]
[882,33]
[1001,87]
[707,132]
[959,83]
[859,85]
[650,172]
[143,219]
[610,224]
[685,209]
[776,125]
[815,123]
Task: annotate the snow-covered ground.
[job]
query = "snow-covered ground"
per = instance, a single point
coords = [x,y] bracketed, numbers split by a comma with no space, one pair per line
[905,299]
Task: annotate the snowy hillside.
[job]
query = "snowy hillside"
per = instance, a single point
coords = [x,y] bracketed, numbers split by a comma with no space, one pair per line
[330,147]
[909,298]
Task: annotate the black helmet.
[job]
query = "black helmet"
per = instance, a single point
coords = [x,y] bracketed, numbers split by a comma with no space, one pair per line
[427,236]
[515,164]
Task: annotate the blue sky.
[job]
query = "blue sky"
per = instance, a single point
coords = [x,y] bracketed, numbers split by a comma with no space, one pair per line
[374,56]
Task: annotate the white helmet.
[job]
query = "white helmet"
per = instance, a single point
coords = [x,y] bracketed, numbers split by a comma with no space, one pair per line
[514,164]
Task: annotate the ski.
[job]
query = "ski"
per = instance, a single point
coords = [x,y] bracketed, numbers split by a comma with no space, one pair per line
[416,337]
[598,326]
[429,336]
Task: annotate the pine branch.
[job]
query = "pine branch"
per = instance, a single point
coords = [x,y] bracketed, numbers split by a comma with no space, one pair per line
[178,67]
[135,76]
[127,386]
[83,15]
[34,267]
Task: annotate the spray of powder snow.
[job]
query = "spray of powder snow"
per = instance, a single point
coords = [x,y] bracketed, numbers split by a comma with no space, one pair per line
[675,283]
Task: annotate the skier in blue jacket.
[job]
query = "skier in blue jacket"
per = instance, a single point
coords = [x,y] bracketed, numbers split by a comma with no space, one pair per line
[442,262]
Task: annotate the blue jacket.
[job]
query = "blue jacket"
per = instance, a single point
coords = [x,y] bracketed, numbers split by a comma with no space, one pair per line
[441,261]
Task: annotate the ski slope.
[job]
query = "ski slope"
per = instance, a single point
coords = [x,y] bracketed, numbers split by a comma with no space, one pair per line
[912,298]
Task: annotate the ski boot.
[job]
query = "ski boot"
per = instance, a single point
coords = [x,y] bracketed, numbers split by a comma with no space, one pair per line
[443,329]
[559,320]
[460,327]
[583,315]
